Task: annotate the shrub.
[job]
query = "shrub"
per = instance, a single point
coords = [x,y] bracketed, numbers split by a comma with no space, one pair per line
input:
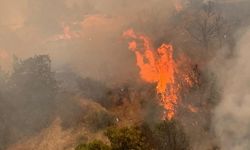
[128,138]
[169,135]
[95,145]
[100,120]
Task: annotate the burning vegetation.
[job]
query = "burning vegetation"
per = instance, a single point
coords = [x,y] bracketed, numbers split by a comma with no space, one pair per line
[159,66]
[109,75]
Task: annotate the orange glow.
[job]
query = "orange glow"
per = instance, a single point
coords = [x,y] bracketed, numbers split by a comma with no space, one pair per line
[192,109]
[156,66]
[4,55]
[5,60]
[159,66]
[178,5]
[67,34]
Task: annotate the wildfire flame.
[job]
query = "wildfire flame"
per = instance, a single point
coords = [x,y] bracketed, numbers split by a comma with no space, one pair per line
[159,66]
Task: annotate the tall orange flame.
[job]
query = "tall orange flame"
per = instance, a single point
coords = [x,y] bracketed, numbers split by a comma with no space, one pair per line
[157,66]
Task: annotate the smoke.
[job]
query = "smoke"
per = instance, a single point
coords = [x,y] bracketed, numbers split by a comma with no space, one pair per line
[82,34]
[231,119]
[85,37]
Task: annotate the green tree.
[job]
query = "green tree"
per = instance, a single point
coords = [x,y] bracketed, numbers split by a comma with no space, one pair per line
[128,138]
[169,135]
[95,145]
[33,89]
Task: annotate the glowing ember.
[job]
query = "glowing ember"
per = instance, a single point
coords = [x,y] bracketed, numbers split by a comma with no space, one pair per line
[192,109]
[178,5]
[157,66]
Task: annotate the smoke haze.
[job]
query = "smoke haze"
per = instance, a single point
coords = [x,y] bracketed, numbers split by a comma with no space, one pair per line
[81,34]
[84,40]
[232,114]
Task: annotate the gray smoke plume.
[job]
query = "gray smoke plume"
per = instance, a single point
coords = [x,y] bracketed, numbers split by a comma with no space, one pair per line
[232,124]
